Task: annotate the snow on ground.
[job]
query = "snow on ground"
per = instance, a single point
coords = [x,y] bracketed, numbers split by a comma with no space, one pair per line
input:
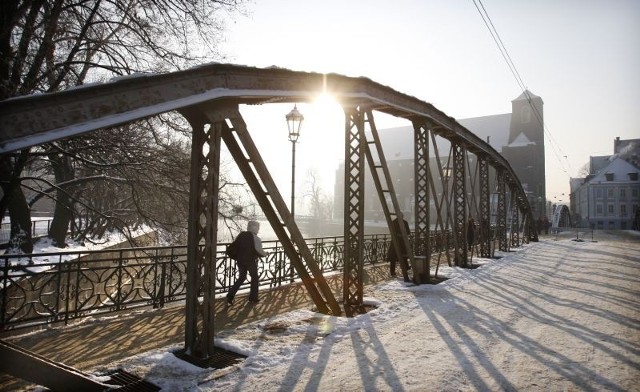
[557,315]
[49,255]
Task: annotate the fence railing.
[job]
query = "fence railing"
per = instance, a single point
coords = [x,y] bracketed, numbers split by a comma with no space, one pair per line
[39,227]
[45,288]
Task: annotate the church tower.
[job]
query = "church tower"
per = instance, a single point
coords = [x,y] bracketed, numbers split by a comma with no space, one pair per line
[527,118]
[525,149]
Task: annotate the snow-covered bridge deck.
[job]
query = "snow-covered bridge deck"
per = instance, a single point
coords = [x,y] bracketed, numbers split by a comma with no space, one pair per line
[553,315]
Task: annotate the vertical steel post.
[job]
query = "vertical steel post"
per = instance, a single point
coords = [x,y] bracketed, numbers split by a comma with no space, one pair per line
[203,217]
[459,204]
[422,217]
[515,221]
[501,213]
[485,207]
[354,187]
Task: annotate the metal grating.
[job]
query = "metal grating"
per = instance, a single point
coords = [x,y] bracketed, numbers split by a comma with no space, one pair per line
[220,359]
[129,382]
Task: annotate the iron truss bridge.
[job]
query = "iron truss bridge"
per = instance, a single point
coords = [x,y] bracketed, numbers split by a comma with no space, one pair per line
[471,179]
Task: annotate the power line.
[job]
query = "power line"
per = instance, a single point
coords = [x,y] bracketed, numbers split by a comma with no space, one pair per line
[557,150]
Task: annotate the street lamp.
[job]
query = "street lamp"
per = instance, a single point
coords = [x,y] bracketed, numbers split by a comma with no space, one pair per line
[294,123]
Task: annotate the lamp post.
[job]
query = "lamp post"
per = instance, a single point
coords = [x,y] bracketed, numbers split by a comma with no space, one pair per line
[294,123]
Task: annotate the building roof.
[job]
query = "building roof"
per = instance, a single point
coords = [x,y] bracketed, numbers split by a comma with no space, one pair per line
[525,96]
[495,127]
[397,143]
[520,141]
[618,167]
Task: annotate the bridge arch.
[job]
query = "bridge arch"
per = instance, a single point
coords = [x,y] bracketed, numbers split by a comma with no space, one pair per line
[472,179]
[561,217]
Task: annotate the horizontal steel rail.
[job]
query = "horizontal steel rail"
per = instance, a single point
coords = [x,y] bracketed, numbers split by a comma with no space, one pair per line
[64,286]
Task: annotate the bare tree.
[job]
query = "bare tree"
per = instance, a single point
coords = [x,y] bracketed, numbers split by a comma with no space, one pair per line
[584,170]
[320,204]
[51,45]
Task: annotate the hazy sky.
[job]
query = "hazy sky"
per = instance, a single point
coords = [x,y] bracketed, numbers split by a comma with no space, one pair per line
[581,56]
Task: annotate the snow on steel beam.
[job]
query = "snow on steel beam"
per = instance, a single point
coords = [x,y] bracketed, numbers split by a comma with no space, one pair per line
[37,119]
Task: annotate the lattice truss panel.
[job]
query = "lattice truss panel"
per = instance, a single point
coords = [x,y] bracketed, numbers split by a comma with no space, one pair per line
[515,222]
[459,204]
[501,211]
[441,239]
[484,211]
[353,209]
[421,180]
[205,165]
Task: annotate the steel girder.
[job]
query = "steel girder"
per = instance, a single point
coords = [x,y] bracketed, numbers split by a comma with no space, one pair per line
[484,218]
[515,222]
[501,211]
[37,119]
[353,210]
[203,215]
[422,215]
[459,204]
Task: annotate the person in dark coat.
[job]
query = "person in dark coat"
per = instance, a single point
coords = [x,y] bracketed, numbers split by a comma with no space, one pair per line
[471,233]
[249,249]
[391,254]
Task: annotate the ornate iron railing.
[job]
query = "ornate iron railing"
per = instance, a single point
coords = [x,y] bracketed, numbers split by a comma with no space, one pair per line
[45,288]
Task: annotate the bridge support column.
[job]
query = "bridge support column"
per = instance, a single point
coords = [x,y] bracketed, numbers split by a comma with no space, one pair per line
[515,221]
[501,211]
[353,211]
[203,224]
[484,218]
[459,204]
[422,239]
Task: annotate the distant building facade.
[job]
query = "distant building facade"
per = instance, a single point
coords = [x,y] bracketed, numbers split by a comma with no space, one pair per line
[609,196]
[518,136]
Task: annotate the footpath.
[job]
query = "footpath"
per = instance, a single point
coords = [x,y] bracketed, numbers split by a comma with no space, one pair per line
[95,342]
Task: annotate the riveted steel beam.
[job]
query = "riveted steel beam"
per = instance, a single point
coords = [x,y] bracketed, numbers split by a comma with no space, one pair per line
[501,211]
[459,204]
[203,218]
[353,210]
[422,217]
[484,218]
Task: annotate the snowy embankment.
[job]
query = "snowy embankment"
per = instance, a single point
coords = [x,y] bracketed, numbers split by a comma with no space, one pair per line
[551,316]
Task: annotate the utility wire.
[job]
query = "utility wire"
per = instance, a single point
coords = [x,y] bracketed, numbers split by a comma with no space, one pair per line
[557,150]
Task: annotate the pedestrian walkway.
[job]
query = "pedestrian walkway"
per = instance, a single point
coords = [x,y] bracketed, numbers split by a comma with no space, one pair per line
[94,343]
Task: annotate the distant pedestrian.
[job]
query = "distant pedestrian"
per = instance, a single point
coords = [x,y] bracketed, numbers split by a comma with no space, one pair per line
[397,234]
[546,224]
[249,249]
[471,232]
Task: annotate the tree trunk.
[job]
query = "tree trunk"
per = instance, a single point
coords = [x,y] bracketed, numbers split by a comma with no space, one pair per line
[63,212]
[14,201]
